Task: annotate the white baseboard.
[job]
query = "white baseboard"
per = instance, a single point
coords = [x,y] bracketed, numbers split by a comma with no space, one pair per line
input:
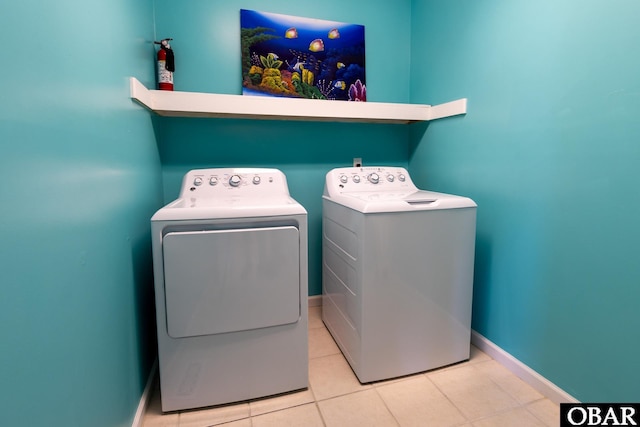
[146,397]
[522,371]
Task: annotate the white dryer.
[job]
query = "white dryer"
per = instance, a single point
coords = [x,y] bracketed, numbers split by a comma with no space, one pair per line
[397,272]
[230,270]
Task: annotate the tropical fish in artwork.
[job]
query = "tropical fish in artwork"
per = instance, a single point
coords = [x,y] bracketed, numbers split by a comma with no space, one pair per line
[340,84]
[334,34]
[316,45]
[299,59]
[297,66]
[291,33]
[340,65]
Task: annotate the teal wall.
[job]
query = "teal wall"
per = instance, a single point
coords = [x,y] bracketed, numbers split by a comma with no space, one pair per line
[79,179]
[549,150]
[207,48]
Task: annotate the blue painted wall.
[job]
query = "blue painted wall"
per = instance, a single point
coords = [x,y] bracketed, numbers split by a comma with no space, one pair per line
[207,48]
[79,179]
[549,150]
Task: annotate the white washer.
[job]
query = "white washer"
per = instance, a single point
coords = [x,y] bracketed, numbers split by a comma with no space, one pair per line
[397,272]
[230,269]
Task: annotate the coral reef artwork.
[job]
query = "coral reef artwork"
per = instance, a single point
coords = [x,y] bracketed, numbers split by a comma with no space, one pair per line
[298,57]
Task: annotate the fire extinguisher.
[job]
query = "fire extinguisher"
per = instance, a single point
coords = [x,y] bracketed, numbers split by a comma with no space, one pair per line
[166,65]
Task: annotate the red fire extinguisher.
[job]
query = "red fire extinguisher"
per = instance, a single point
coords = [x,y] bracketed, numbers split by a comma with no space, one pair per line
[166,65]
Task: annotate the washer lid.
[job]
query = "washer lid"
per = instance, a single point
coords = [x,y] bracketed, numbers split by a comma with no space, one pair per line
[385,189]
[393,201]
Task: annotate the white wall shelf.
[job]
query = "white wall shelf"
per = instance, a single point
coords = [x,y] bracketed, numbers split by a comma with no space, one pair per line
[192,104]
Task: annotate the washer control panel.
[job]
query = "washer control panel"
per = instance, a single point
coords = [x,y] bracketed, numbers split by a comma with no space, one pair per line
[239,181]
[371,178]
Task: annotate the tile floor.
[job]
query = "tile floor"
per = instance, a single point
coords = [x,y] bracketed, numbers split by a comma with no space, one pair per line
[477,393]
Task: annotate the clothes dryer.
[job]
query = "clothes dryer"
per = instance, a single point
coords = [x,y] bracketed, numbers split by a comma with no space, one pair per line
[230,271]
[397,272]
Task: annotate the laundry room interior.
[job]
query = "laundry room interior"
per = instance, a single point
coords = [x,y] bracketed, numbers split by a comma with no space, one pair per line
[547,148]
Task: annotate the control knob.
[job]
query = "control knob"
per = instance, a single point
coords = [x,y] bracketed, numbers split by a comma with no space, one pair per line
[401,177]
[373,178]
[235,180]
[197,181]
[213,180]
[344,179]
[256,179]
[390,178]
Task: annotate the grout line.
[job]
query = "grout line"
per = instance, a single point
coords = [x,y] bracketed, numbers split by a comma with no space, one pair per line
[384,402]
[446,396]
[526,407]
[324,423]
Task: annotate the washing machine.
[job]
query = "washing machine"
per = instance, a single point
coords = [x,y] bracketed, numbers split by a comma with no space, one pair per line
[397,272]
[230,272]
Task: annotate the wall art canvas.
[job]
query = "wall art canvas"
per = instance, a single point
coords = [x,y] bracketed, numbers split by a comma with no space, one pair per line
[298,57]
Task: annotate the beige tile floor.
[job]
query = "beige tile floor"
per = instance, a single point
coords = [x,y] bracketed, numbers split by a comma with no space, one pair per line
[477,393]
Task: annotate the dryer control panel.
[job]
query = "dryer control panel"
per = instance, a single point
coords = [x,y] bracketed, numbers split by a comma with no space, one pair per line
[370,178]
[217,182]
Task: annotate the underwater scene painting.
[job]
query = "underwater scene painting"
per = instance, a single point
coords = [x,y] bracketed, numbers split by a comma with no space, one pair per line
[295,57]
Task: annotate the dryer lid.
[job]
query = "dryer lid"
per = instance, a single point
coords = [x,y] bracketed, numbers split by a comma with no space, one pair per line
[243,207]
[231,193]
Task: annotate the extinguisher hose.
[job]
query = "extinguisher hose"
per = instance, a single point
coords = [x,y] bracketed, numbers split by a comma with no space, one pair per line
[171,65]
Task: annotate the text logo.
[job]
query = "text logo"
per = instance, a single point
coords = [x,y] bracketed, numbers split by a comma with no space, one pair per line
[599,414]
